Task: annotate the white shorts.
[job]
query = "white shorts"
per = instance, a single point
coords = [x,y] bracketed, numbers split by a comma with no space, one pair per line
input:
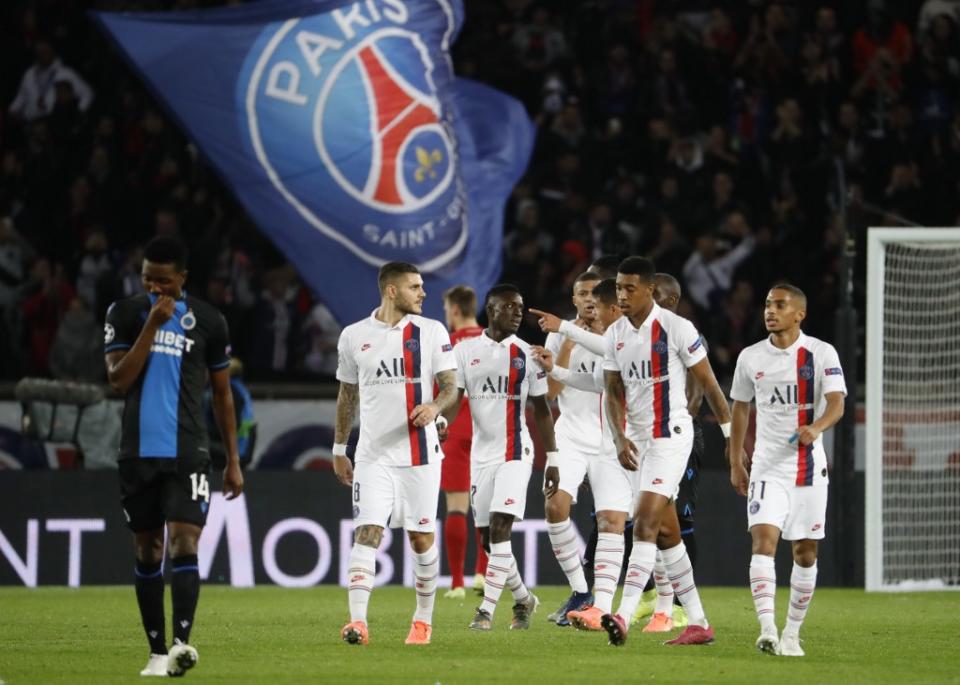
[499,488]
[610,483]
[663,461]
[401,496]
[800,512]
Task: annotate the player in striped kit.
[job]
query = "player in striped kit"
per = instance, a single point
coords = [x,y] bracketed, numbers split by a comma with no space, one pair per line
[793,377]
[387,367]
[648,352]
[609,481]
[497,373]
[578,441]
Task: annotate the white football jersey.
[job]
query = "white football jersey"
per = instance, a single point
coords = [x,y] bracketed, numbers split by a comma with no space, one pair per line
[592,383]
[789,387]
[653,361]
[497,378]
[579,424]
[394,367]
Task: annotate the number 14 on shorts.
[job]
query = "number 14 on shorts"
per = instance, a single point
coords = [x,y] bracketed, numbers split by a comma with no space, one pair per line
[199,486]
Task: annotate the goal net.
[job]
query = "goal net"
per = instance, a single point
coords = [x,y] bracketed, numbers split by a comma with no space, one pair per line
[913,409]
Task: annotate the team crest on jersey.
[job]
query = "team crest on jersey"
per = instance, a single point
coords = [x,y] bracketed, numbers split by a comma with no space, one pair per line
[805,372]
[189,320]
[377,169]
[754,506]
[619,346]
[364,347]
[660,347]
[758,376]
[412,345]
[108,334]
[517,363]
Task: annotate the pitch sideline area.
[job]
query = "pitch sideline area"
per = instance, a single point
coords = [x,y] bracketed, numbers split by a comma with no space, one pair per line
[274,635]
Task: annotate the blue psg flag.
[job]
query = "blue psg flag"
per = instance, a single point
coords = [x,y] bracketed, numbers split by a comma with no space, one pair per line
[342,129]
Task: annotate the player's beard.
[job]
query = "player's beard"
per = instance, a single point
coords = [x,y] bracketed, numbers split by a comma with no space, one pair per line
[410,307]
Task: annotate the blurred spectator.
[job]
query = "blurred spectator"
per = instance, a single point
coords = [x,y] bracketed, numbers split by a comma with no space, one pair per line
[932,9]
[48,297]
[538,44]
[38,90]
[322,334]
[77,351]
[275,323]
[880,50]
[709,270]
[94,263]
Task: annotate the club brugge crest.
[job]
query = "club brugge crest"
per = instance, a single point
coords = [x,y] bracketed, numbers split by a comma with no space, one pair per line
[345,114]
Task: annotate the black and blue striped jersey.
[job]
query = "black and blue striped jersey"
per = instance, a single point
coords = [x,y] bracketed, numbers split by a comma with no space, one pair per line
[163,411]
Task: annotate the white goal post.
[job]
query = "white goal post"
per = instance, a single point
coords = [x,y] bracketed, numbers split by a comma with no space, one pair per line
[913,409]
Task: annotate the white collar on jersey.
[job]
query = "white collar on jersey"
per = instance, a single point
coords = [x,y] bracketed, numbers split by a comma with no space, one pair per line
[654,313]
[383,324]
[790,350]
[503,343]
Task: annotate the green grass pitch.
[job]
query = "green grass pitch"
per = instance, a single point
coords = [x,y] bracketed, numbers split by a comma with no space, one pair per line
[274,635]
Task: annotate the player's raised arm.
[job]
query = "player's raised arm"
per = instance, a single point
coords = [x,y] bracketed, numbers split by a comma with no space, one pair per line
[125,362]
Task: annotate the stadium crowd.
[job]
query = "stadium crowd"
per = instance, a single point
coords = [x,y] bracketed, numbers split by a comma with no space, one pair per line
[708,136]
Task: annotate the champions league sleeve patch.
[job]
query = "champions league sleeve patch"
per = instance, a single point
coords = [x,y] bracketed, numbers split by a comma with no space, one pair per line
[835,371]
[696,345]
[446,348]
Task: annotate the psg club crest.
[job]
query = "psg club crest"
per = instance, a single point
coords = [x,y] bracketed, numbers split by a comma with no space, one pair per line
[805,372]
[754,506]
[660,347]
[517,363]
[375,164]
[412,345]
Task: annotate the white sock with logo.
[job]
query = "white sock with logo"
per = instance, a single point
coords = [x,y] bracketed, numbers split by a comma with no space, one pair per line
[664,588]
[607,563]
[360,574]
[763,587]
[803,581]
[500,566]
[563,539]
[680,572]
[426,573]
[639,568]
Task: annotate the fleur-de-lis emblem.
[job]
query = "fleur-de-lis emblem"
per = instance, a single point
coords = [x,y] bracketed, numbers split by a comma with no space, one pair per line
[426,161]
